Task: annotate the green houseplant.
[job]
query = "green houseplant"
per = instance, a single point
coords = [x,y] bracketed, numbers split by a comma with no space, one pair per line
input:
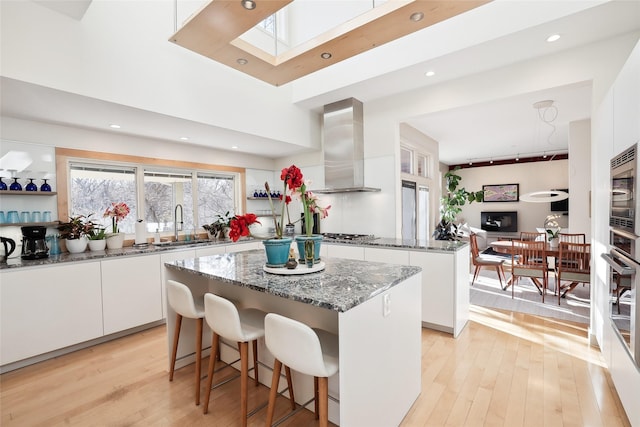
[75,232]
[451,204]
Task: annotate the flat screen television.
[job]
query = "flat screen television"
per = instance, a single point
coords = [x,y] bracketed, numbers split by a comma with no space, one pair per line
[560,205]
[506,222]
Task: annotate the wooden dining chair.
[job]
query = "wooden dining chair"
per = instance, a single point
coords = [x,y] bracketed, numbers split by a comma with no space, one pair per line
[572,237]
[529,259]
[573,266]
[480,261]
[533,236]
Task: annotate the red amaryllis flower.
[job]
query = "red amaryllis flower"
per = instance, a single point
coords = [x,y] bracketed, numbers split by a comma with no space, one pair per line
[287,199]
[239,225]
[292,177]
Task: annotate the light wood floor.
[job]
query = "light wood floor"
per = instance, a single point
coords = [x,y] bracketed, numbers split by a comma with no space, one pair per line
[505,369]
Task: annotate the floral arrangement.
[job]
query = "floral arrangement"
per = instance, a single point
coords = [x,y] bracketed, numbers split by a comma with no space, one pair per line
[117,212]
[294,187]
[552,227]
[77,227]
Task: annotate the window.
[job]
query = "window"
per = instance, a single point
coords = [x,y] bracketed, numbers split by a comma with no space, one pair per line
[151,190]
[163,192]
[215,197]
[422,166]
[93,188]
[406,160]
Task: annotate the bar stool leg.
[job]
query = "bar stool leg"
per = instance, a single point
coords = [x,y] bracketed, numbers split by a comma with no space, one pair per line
[176,338]
[198,357]
[255,362]
[244,380]
[273,393]
[323,397]
[215,347]
[316,401]
[292,398]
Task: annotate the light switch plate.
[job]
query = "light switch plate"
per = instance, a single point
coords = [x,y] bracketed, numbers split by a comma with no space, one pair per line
[386,305]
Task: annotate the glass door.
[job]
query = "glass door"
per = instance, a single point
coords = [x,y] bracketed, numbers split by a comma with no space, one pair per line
[408,210]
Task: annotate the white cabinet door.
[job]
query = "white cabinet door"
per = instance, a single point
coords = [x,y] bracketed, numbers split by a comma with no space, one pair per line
[438,288]
[390,256]
[211,250]
[345,252]
[44,309]
[238,247]
[168,257]
[131,292]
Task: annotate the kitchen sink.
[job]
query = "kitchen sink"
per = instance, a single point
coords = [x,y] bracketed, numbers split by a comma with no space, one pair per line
[182,242]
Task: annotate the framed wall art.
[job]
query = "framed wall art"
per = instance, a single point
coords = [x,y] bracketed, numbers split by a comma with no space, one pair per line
[501,193]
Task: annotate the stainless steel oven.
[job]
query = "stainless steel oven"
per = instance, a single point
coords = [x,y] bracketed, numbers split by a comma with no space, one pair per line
[624,313]
[625,191]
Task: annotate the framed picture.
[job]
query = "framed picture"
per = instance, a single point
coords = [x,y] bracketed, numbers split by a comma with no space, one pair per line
[501,193]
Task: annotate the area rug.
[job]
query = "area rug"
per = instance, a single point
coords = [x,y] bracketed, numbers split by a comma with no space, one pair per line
[486,292]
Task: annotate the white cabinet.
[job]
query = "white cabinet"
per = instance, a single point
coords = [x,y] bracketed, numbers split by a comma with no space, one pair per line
[169,257]
[345,251]
[389,256]
[131,292]
[46,308]
[445,289]
[210,250]
[244,246]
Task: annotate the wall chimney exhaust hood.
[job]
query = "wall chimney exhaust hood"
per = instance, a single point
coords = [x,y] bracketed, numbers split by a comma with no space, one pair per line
[343,146]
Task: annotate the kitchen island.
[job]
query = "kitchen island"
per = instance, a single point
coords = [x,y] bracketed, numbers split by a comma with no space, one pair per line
[373,307]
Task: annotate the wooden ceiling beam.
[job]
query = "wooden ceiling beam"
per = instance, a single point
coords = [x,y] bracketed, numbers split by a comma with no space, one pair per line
[214,32]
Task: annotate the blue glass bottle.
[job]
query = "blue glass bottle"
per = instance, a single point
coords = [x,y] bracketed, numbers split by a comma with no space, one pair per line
[31,186]
[15,185]
[3,186]
[45,186]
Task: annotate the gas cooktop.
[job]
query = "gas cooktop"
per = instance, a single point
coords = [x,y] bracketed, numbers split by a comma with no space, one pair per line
[347,236]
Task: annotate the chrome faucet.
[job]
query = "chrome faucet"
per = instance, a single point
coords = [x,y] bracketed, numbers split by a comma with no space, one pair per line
[175,220]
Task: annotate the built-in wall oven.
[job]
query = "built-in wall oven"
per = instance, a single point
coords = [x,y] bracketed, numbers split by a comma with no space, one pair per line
[624,254]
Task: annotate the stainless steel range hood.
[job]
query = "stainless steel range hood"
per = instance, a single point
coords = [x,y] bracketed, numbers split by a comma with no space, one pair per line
[343,146]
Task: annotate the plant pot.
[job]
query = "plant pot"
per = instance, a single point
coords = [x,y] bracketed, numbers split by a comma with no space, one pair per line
[97,245]
[277,251]
[76,246]
[317,241]
[115,240]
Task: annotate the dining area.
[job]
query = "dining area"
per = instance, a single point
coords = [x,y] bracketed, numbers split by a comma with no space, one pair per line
[554,263]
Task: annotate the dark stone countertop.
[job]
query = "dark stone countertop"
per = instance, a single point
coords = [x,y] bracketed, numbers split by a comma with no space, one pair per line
[342,285]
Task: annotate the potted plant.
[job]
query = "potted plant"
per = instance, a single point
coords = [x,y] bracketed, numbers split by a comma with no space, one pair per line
[552,228]
[117,212]
[97,236]
[451,204]
[219,229]
[75,232]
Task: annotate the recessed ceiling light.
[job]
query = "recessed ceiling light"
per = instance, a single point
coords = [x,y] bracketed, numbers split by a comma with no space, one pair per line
[553,38]
[184,138]
[430,73]
[114,126]
[242,61]
[325,55]
[234,147]
[248,4]
[415,17]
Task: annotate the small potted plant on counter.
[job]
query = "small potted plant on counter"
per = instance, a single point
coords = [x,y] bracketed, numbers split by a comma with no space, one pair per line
[75,233]
[219,229]
[97,236]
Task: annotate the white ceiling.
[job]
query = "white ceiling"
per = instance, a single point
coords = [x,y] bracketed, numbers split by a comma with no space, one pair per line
[502,128]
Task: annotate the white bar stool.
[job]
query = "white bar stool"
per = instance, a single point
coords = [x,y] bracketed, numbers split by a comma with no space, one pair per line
[181,300]
[242,326]
[306,350]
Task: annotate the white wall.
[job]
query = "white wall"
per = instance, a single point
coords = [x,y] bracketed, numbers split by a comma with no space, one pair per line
[119,52]
[580,176]
[531,177]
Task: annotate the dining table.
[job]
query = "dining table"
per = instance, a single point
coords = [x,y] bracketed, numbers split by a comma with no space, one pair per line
[506,247]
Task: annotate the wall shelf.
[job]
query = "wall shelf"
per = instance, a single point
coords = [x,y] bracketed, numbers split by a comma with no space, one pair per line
[27,193]
[29,224]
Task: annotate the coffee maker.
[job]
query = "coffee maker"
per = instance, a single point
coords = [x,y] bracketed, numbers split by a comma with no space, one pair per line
[34,245]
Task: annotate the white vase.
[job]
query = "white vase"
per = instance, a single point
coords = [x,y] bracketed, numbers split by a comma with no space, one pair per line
[554,242]
[115,240]
[76,246]
[97,245]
